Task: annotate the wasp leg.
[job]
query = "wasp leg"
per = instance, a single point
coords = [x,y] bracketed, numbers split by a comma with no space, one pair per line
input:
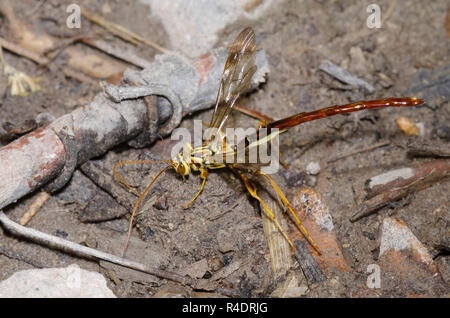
[203,175]
[288,205]
[282,161]
[141,196]
[251,189]
[262,123]
[130,226]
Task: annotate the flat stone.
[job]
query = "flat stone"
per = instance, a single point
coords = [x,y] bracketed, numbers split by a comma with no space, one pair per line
[313,168]
[193,25]
[68,282]
[405,261]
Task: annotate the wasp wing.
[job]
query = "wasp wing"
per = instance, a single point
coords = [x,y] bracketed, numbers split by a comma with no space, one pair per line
[238,71]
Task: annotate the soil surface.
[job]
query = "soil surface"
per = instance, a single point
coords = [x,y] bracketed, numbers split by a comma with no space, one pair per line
[223,226]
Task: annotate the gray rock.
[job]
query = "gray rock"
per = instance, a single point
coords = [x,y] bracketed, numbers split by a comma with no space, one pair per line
[69,282]
[193,26]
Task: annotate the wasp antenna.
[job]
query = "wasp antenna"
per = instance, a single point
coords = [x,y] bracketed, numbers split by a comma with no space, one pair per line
[135,162]
[139,200]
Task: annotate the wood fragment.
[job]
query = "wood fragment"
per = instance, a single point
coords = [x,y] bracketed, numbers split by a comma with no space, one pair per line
[397,186]
[403,258]
[308,263]
[19,50]
[41,198]
[43,61]
[423,149]
[9,131]
[121,31]
[280,251]
[290,288]
[315,215]
[226,271]
[344,76]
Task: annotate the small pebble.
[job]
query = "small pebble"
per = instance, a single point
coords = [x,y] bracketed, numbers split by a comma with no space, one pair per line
[90,241]
[313,168]
[44,118]
[311,181]
[421,127]
[215,263]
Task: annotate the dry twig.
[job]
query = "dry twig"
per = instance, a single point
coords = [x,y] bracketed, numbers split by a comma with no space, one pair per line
[43,61]
[84,251]
[126,56]
[378,145]
[121,31]
[41,198]
[397,184]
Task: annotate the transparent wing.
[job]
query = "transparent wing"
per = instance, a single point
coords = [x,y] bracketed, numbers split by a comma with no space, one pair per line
[238,71]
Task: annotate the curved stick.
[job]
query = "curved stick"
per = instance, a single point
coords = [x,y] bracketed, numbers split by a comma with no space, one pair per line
[77,249]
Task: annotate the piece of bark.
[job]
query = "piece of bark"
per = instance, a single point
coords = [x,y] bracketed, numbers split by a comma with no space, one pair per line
[344,76]
[88,201]
[316,218]
[11,131]
[397,184]
[28,163]
[425,149]
[102,178]
[308,263]
[279,249]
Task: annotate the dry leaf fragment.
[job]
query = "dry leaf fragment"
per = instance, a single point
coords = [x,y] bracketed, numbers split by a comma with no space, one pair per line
[20,83]
[407,126]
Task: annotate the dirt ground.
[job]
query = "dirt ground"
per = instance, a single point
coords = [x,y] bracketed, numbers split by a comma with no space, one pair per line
[224,226]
